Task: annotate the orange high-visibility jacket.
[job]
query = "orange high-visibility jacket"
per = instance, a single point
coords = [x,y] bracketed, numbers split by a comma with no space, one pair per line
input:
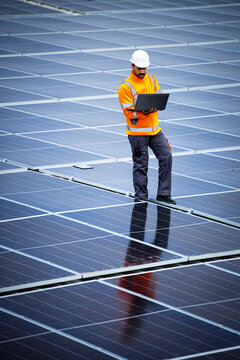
[137,123]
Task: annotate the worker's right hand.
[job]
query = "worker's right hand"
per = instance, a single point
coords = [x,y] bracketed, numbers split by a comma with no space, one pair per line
[147,112]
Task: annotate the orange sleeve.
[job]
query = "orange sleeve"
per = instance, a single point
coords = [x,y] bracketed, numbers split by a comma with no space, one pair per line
[157,87]
[126,100]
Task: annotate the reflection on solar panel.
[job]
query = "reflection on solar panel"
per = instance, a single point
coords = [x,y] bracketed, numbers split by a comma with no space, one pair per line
[87,273]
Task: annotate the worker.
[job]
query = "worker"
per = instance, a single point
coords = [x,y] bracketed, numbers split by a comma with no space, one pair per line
[143,130]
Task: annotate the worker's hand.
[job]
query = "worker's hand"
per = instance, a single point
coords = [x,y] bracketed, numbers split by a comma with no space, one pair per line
[147,112]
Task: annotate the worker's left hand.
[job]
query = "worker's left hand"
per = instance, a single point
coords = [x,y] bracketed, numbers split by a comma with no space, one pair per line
[147,112]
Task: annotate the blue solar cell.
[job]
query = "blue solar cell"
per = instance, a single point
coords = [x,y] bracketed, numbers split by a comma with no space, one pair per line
[29,182]
[180,233]
[12,210]
[100,80]
[231,46]
[5,52]
[9,96]
[211,168]
[225,205]
[68,41]
[179,35]
[226,70]
[73,300]
[13,28]
[194,80]
[7,73]
[52,87]
[46,231]
[26,340]
[231,9]
[182,111]
[54,194]
[228,178]
[202,52]
[105,253]
[200,290]
[59,111]
[117,174]
[171,129]
[216,312]
[14,143]
[202,98]
[95,117]
[224,123]
[19,45]
[111,21]
[134,38]
[232,265]
[202,15]
[106,104]
[89,61]
[7,166]
[215,29]
[78,247]
[8,114]
[167,342]
[182,78]
[36,66]
[98,142]
[15,327]
[168,60]
[204,140]
[119,332]
[34,123]
[55,23]
[49,156]
[186,287]
[17,269]
[234,91]
[231,154]
[152,18]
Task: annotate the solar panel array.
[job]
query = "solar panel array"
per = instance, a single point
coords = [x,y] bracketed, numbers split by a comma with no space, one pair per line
[86,272]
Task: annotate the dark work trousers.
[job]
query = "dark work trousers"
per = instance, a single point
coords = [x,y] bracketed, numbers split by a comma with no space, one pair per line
[161,149]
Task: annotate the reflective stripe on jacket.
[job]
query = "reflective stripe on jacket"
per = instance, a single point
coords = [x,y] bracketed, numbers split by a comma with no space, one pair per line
[137,123]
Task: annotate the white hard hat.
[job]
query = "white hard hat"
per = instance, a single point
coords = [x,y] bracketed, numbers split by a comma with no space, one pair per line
[140,58]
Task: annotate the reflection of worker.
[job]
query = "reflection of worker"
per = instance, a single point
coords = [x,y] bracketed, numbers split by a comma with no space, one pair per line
[136,252]
[144,131]
[143,284]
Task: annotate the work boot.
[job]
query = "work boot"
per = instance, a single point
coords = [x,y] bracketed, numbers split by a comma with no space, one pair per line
[166,199]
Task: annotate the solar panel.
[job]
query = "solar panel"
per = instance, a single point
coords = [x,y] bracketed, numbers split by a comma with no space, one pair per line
[33,66]
[180,233]
[202,52]
[6,167]
[11,210]
[87,272]
[14,28]
[27,46]
[53,23]
[170,330]
[17,268]
[35,341]
[191,288]
[227,265]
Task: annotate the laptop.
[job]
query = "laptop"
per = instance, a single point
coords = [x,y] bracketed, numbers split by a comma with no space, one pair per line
[146,102]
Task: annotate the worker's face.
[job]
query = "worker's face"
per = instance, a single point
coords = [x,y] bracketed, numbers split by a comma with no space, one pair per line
[139,72]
